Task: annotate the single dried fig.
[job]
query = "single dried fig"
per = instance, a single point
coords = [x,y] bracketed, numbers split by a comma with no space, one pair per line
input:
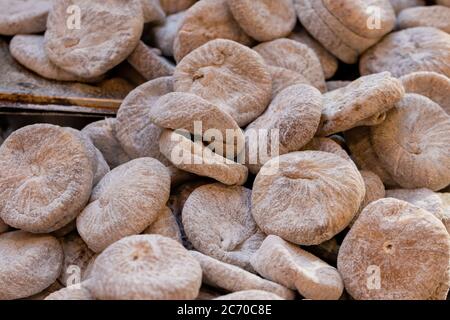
[250,295]
[30,263]
[194,157]
[429,84]
[264,20]
[326,145]
[76,258]
[145,267]
[152,11]
[295,268]
[332,190]
[207,20]
[394,251]
[327,60]
[24,16]
[399,5]
[407,51]
[164,35]
[430,16]
[283,78]
[412,143]
[125,202]
[149,62]
[109,33]
[295,114]
[174,6]
[165,225]
[231,278]
[295,56]
[102,134]
[229,75]
[46,177]
[229,233]
[364,99]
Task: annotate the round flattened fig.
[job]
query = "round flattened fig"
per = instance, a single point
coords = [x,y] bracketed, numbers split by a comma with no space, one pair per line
[24,16]
[357,15]
[145,267]
[429,84]
[319,29]
[174,6]
[362,152]
[125,202]
[218,222]
[430,16]
[165,225]
[295,115]
[29,51]
[164,35]
[250,295]
[102,133]
[205,21]
[333,85]
[46,176]
[375,190]
[310,196]
[326,145]
[264,20]
[409,50]
[364,101]
[194,157]
[413,143]
[181,110]
[134,129]
[149,62]
[76,259]
[283,78]
[228,75]
[30,263]
[422,198]
[93,49]
[295,56]
[231,278]
[399,5]
[71,293]
[405,246]
[327,60]
[295,268]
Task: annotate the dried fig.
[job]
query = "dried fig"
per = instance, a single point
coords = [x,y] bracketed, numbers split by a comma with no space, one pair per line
[430,16]
[30,263]
[295,114]
[326,145]
[264,20]
[174,6]
[25,16]
[231,278]
[283,78]
[412,143]
[207,20]
[229,234]
[152,11]
[332,190]
[429,84]
[394,251]
[194,157]
[404,52]
[145,267]
[93,49]
[149,62]
[46,176]
[125,202]
[295,268]
[295,56]
[333,85]
[165,225]
[364,99]
[399,5]
[164,34]
[229,75]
